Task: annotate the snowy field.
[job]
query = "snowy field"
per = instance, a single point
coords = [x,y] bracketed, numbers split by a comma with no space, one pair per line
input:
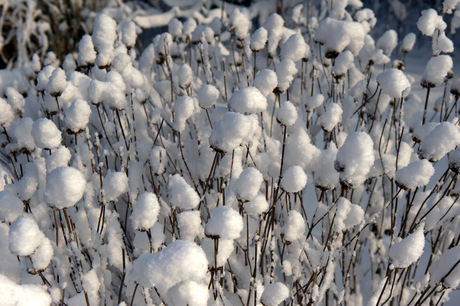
[278,153]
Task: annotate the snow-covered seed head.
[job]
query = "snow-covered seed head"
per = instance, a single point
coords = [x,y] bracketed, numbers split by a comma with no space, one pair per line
[313,102]
[436,70]
[430,21]
[248,184]
[185,76]
[158,160]
[259,39]
[183,109]
[57,82]
[208,96]
[24,236]
[65,186]
[295,48]
[11,207]
[287,114]
[266,81]
[294,228]
[248,100]
[77,116]
[274,294]
[331,117]
[387,42]
[114,185]
[416,174]
[442,139]
[129,34]
[224,223]
[145,212]
[239,23]
[46,134]
[294,179]
[354,159]
[181,194]
[231,131]
[86,53]
[285,71]
[394,83]
[6,113]
[175,27]
[407,251]
[408,43]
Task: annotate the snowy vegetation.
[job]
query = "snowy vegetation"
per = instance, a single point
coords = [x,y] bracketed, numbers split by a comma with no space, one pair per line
[241,157]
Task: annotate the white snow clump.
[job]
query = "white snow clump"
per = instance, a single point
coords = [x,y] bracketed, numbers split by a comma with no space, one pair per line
[247,100]
[394,83]
[294,179]
[408,250]
[416,174]
[114,184]
[145,212]
[181,194]
[225,223]
[65,186]
[274,294]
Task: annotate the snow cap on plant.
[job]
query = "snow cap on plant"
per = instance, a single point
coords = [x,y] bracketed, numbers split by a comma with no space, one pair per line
[408,42]
[104,36]
[77,116]
[248,100]
[145,212]
[10,207]
[266,81]
[331,117]
[256,206]
[175,27]
[354,159]
[441,270]
[240,23]
[442,139]
[59,158]
[6,113]
[343,63]
[129,34]
[295,48]
[207,96]
[189,293]
[274,294]
[285,71]
[407,251]
[286,114]
[46,134]
[231,131]
[248,184]
[65,186]
[394,83]
[259,39]
[181,194]
[183,109]
[114,185]
[416,174]
[430,21]
[387,42]
[313,102]
[224,223]
[294,179]
[180,261]
[57,82]
[86,53]
[24,236]
[436,70]
[338,35]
